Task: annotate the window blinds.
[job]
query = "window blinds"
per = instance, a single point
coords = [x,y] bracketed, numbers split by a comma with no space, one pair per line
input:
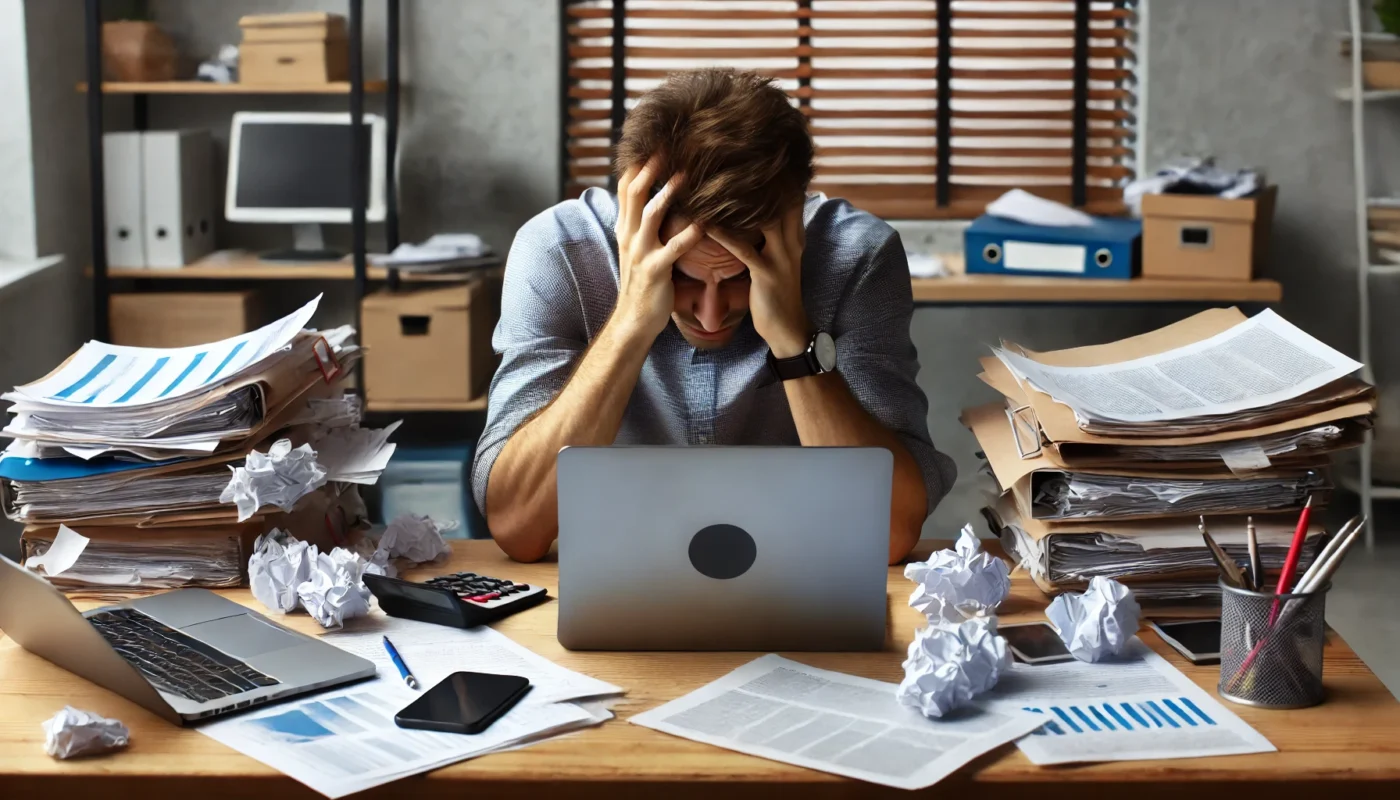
[920,109]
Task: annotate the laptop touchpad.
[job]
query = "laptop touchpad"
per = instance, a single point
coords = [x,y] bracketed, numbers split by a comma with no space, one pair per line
[242,636]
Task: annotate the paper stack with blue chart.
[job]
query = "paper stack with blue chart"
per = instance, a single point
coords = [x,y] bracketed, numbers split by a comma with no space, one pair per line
[141,468]
[1109,457]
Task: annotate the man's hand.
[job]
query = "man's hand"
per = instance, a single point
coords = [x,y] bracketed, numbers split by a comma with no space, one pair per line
[645,296]
[775,293]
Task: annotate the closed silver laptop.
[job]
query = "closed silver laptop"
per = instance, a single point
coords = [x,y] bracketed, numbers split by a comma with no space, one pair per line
[723,548]
[185,655]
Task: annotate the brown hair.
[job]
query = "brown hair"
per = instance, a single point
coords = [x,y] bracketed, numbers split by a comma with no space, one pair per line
[745,151]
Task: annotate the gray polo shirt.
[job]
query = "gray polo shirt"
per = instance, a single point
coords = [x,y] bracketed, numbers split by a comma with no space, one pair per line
[561,285]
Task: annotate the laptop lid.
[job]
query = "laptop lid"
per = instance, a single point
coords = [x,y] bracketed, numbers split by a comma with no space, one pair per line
[44,622]
[723,548]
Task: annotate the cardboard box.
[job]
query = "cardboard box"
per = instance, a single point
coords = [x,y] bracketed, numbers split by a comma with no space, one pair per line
[428,346]
[1198,236]
[180,319]
[293,48]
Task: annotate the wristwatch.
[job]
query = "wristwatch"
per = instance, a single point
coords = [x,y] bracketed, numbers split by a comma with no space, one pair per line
[819,357]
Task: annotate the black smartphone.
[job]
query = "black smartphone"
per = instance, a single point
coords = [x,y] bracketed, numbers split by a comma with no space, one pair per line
[1197,639]
[1035,643]
[464,702]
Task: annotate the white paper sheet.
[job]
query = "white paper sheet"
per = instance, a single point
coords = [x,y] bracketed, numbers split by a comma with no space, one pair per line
[1138,708]
[67,545]
[785,711]
[104,375]
[1022,206]
[1260,362]
[432,652]
[345,740]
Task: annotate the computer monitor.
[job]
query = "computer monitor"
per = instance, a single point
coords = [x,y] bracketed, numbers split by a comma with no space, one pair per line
[295,168]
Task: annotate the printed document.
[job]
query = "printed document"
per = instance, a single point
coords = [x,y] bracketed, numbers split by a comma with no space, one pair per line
[1263,361]
[345,740]
[785,711]
[1139,707]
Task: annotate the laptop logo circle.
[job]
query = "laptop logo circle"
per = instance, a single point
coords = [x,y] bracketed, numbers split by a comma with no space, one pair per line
[722,551]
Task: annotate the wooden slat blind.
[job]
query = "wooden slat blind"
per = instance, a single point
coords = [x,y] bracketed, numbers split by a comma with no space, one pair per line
[1029,103]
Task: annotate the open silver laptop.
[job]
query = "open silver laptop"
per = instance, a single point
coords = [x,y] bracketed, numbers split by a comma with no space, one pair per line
[185,655]
[723,548]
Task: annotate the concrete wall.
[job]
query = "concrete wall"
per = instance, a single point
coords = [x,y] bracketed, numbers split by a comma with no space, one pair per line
[1248,80]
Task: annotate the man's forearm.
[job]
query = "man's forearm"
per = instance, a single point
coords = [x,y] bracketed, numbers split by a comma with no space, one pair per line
[522,500]
[828,416]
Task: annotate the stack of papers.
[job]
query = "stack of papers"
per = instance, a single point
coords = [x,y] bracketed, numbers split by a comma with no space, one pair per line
[1217,415]
[441,252]
[345,740]
[134,448]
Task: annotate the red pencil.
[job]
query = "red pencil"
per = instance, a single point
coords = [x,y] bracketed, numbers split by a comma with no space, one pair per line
[1290,564]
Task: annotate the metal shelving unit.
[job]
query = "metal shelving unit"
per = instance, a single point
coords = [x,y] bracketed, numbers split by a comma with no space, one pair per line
[1358,95]
[356,89]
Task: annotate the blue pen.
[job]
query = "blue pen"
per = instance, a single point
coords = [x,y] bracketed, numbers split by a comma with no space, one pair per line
[398,662]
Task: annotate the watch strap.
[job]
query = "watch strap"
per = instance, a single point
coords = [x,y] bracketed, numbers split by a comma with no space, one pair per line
[798,366]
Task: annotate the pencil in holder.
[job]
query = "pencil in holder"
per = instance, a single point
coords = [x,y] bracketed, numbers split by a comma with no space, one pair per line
[1271,647]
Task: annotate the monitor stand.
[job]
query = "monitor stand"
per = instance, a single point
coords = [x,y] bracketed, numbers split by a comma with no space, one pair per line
[309,246]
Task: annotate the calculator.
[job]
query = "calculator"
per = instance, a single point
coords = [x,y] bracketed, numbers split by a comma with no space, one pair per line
[462,599]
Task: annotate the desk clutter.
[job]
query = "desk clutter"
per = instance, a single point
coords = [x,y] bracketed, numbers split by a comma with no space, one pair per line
[1107,456]
[155,468]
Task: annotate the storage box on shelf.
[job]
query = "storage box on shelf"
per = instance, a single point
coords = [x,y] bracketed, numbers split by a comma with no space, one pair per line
[1210,238]
[293,48]
[181,319]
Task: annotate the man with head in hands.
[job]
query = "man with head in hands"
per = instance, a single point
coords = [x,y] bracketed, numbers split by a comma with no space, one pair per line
[711,301]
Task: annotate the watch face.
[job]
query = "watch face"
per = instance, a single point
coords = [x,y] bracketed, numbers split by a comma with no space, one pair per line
[824,348]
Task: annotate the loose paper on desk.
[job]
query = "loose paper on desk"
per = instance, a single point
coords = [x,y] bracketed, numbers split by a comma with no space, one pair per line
[789,712]
[73,732]
[67,546]
[1262,361]
[956,584]
[1137,707]
[345,740]
[104,375]
[1100,623]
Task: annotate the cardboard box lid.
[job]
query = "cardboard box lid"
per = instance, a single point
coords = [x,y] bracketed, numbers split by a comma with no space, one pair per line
[1209,207]
[296,19]
[457,297]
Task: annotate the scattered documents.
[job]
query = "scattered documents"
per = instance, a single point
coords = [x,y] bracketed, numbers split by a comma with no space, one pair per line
[1138,707]
[73,732]
[286,573]
[279,565]
[1261,362]
[345,740]
[956,584]
[414,538]
[948,665]
[1022,206]
[134,558]
[441,251]
[789,712]
[1098,624]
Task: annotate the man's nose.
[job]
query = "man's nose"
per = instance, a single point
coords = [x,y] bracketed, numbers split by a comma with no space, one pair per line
[711,308]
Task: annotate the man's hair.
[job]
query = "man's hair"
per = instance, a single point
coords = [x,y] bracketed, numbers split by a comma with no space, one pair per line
[745,151]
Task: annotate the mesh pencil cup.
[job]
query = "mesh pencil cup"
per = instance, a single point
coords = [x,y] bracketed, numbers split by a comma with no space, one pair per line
[1271,647]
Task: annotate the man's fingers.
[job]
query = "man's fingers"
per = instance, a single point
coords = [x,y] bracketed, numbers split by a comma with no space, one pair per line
[739,249]
[632,200]
[681,243]
[656,208]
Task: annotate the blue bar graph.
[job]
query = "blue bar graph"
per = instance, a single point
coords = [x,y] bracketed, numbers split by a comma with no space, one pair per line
[1165,712]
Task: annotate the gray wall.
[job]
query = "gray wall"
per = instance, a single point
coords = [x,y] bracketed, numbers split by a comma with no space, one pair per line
[1248,80]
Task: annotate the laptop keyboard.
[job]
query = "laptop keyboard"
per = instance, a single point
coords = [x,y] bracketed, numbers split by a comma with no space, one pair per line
[174,662]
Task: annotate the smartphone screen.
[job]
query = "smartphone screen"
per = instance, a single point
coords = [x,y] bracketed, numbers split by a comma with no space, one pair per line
[1197,639]
[464,702]
[1035,643]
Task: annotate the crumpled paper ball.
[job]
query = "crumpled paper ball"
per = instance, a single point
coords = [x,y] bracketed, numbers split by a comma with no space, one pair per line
[948,665]
[335,590]
[956,584]
[414,537]
[280,477]
[279,565]
[1098,624]
[73,732]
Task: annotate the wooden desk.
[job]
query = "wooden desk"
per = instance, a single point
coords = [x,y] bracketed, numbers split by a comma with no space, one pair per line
[1354,737]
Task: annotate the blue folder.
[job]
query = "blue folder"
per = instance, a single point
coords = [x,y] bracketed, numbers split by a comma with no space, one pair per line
[1107,249]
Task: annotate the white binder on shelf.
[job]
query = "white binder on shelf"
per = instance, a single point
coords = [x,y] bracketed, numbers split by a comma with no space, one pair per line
[121,189]
[178,199]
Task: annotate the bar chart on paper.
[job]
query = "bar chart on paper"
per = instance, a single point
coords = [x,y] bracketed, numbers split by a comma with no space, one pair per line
[1164,713]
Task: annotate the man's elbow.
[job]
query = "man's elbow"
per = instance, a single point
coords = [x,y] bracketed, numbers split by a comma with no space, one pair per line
[516,543]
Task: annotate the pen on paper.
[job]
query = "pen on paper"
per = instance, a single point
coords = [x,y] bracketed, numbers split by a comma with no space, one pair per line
[398,662]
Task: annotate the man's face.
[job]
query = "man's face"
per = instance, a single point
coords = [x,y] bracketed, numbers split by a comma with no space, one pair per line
[711,288]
